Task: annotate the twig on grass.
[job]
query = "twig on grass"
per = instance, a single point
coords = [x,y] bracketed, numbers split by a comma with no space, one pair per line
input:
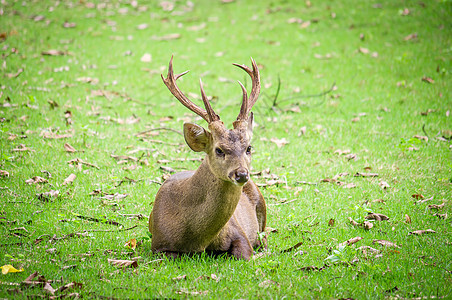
[310,96]
[157,129]
[162,142]
[425,132]
[277,93]
[111,230]
[110,222]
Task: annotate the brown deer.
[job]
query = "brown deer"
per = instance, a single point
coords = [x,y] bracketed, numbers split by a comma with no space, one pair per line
[216,208]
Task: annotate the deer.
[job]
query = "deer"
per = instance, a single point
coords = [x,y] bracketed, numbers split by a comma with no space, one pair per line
[217,208]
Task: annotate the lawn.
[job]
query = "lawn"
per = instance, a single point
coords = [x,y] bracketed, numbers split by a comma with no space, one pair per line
[351,148]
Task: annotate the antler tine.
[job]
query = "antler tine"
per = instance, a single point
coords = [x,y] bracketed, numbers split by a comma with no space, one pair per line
[170,82]
[255,90]
[244,108]
[211,114]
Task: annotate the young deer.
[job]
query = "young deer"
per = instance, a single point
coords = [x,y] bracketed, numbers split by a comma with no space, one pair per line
[217,207]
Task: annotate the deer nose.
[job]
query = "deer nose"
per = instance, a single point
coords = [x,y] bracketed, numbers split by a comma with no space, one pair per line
[241,176]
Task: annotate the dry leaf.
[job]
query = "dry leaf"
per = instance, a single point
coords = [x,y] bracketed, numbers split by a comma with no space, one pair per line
[48,195]
[123,263]
[363,50]
[146,58]
[192,293]
[10,269]
[428,79]
[441,216]
[132,244]
[331,222]
[69,24]
[376,217]
[53,52]
[366,174]
[4,173]
[171,36]
[368,225]
[167,5]
[353,222]
[268,283]
[342,152]
[36,179]
[69,179]
[417,196]
[350,185]
[179,278]
[409,37]
[279,142]
[69,148]
[419,232]
[436,206]
[351,241]
[407,219]
[293,247]
[384,185]
[385,243]
[70,286]
[350,156]
[142,26]
[368,250]
[421,137]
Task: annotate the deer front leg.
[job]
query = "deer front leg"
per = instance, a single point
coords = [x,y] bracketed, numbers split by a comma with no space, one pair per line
[241,248]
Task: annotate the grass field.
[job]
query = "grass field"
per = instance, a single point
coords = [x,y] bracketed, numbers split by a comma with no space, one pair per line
[353,121]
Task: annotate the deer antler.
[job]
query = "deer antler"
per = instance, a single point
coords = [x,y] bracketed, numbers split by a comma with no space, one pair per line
[170,81]
[247,103]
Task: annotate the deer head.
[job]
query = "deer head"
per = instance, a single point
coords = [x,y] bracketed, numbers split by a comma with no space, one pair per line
[228,151]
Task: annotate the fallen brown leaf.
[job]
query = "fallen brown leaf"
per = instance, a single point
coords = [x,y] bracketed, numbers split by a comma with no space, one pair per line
[351,241]
[419,232]
[441,216]
[353,222]
[268,283]
[69,148]
[292,248]
[436,206]
[428,79]
[123,263]
[385,243]
[179,278]
[409,37]
[47,196]
[132,244]
[368,225]
[69,179]
[407,219]
[36,179]
[376,217]
[368,250]
[331,222]
[366,174]
[167,37]
[384,185]
[279,142]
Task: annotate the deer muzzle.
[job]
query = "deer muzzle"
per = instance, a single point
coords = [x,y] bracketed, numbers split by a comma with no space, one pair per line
[240,176]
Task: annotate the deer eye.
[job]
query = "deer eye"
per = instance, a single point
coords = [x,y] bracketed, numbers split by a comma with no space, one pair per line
[219,152]
[248,150]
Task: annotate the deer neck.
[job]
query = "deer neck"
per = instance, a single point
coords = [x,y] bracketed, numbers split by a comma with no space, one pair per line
[215,198]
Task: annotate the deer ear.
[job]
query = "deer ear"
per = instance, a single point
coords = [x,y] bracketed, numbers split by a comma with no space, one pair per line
[197,137]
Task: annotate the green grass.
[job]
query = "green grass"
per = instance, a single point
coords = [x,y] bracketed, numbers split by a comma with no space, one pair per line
[384,87]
